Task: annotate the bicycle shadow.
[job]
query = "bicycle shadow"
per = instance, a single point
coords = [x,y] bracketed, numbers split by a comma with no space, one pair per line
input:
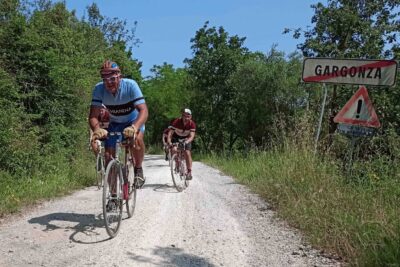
[163,188]
[86,224]
[172,256]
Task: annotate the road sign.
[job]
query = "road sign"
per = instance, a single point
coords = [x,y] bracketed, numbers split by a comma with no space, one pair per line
[350,71]
[358,111]
[355,130]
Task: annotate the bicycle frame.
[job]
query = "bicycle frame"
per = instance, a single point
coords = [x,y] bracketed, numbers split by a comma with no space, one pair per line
[126,162]
[119,186]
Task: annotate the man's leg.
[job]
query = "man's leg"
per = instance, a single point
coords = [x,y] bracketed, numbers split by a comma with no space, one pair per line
[138,154]
[138,151]
[107,158]
[188,156]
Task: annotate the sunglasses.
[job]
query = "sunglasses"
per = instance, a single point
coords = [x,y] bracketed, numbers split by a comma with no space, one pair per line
[111,79]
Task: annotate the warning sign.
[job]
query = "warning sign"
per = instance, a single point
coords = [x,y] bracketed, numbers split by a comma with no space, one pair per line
[358,111]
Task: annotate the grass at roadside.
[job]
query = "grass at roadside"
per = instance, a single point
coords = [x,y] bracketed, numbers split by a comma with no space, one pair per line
[358,221]
[17,192]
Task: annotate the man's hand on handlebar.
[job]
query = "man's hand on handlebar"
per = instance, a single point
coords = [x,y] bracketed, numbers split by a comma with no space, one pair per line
[98,134]
[130,131]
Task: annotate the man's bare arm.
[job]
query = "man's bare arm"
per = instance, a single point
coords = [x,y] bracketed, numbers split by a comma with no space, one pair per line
[143,115]
[191,137]
[94,114]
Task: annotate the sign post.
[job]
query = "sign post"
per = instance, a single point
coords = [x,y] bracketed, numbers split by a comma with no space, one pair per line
[320,118]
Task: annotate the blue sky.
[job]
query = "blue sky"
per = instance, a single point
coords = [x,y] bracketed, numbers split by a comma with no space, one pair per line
[166,27]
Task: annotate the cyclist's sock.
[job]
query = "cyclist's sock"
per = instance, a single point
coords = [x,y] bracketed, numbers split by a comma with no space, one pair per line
[139,176]
[189,174]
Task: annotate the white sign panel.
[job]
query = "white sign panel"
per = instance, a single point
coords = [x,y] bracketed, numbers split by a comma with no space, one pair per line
[350,71]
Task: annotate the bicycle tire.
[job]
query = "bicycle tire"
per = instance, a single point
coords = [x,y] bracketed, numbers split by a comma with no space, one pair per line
[176,177]
[183,172]
[112,216]
[169,157]
[131,201]
[100,170]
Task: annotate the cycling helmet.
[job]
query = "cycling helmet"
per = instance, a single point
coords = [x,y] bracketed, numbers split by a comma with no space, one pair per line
[109,68]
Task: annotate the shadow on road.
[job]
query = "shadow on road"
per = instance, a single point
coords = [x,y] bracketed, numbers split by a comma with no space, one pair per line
[87,225]
[152,157]
[164,188]
[172,256]
[157,166]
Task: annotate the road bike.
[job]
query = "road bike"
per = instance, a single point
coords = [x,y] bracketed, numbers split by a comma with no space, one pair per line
[119,187]
[178,166]
[100,167]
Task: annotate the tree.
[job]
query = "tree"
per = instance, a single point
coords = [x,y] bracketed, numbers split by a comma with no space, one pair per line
[267,97]
[166,94]
[216,57]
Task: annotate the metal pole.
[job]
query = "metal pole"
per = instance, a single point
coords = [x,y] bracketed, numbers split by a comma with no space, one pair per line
[320,118]
[349,168]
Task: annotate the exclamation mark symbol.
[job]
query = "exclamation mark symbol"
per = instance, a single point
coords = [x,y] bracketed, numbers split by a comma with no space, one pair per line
[359,105]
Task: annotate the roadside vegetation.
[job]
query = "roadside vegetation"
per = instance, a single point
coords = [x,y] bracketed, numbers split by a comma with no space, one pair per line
[256,120]
[355,218]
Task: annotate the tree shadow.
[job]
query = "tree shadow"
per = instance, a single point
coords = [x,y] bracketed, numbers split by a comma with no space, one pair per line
[86,224]
[157,165]
[151,157]
[173,256]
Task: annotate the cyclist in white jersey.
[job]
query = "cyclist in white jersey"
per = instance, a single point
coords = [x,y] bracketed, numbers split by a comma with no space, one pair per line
[128,112]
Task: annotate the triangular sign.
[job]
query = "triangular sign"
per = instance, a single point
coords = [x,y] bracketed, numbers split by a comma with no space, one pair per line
[358,111]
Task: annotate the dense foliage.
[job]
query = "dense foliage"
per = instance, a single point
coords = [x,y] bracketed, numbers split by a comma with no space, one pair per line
[49,63]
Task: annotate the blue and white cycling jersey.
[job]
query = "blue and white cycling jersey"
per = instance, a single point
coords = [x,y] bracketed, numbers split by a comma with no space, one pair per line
[122,105]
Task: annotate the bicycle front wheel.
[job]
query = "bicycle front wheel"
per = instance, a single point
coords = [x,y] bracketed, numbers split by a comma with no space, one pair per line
[112,199]
[131,201]
[179,183]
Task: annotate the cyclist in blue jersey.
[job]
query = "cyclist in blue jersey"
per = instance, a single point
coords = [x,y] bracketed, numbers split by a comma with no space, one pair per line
[128,113]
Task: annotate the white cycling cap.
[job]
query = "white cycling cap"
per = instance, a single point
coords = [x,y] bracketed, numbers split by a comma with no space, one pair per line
[188,111]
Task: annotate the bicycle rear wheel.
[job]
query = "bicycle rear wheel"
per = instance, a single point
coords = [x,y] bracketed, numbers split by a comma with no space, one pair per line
[131,201]
[100,170]
[112,199]
[175,173]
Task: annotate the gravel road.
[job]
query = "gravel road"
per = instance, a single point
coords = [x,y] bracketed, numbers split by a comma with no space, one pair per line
[215,222]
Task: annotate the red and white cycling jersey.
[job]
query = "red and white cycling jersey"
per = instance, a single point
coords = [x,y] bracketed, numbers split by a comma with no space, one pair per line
[182,130]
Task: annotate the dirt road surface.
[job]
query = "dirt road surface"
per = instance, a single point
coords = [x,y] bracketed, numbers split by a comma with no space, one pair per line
[215,222]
